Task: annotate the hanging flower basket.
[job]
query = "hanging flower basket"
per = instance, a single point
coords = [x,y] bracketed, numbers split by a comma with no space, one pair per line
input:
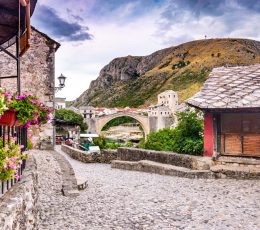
[9,119]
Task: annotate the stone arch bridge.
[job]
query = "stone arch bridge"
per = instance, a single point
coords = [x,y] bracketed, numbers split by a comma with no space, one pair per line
[148,124]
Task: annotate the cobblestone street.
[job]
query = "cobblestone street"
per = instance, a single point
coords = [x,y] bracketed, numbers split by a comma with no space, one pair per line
[117,199]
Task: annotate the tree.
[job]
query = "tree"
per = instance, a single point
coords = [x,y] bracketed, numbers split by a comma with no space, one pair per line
[71,117]
[186,138]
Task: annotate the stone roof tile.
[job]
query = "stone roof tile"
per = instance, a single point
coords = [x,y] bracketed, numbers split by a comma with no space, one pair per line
[230,87]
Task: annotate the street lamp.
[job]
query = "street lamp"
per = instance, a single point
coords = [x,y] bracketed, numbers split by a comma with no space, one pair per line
[61,79]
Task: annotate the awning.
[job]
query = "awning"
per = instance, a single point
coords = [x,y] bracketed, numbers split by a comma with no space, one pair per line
[9,21]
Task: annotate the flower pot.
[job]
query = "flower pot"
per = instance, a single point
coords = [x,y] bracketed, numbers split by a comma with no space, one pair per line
[9,119]
[18,123]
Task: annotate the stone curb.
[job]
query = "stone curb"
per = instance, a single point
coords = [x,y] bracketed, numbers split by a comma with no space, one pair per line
[164,157]
[69,182]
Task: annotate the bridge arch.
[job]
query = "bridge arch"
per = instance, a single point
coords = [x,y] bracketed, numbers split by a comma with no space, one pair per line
[142,120]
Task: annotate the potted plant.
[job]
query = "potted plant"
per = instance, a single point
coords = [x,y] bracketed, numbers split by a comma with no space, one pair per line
[22,109]
[6,116]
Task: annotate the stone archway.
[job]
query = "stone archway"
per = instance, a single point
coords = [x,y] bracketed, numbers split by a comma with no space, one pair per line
[142,120]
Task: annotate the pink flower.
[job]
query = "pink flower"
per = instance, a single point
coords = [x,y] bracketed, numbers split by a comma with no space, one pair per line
[12,166]
[5,166]
[27,125]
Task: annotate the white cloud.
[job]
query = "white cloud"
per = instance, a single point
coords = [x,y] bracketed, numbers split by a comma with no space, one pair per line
[82,63]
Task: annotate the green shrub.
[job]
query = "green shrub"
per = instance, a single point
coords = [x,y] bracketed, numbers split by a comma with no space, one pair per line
[104,143]
[180,64]
[100,141]
[186,138]
[161,140]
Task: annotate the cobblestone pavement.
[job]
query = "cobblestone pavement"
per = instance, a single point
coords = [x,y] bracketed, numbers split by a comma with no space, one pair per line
[117,199]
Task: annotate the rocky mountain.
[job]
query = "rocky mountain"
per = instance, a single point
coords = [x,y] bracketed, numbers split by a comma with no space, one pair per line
[136,81]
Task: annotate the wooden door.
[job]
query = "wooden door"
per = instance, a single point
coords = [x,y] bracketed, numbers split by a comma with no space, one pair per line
[240,134]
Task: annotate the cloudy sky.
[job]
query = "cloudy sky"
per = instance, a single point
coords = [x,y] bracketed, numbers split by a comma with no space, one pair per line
[93,32]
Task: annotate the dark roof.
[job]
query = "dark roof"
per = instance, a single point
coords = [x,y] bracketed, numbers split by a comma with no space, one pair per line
[230,88]
[9,20]
[47,37]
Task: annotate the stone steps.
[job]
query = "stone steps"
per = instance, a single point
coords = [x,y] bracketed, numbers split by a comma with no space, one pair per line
[236,171]
[163,169]
[237,161]
[215,172]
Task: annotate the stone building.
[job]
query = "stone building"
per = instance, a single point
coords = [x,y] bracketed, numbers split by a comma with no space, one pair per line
[230,100]
[168,98]
[60,102]
[37,75]
[162,115]
[88,112]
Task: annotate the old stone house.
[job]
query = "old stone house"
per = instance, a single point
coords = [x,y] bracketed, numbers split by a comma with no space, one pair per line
[60,102]
[230,100]
[37,75]
[162,115]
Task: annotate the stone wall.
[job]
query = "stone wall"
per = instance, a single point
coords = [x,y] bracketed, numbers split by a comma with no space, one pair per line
[182,160]
[37,75]
[153,123]
[134,154]
[106,156]
[18,206]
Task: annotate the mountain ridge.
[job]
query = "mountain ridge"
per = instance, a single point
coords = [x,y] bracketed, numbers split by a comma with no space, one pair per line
[136,80]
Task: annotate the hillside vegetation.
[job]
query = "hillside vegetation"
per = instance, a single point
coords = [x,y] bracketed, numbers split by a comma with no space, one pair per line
[136,81]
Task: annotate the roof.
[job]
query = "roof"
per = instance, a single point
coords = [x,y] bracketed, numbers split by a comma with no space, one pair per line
[230,88]
[86,107]
[88,135]
[60,99]
[160,108]
[10,20]
[166,92]
[47,37]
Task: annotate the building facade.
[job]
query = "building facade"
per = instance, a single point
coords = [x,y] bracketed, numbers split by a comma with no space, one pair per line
[168,98]
[60,103]
[87,112]
[162,115]
[37,76]
[230,100]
